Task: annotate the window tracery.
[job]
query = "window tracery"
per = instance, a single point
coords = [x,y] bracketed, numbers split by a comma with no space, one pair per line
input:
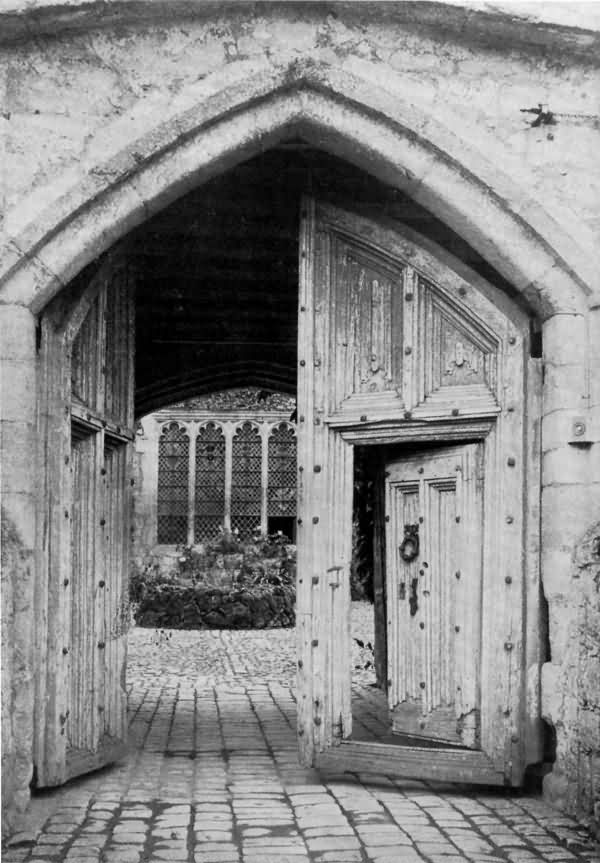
[246,480]
[209,502]
[225,475]
[281,495]
[173,467]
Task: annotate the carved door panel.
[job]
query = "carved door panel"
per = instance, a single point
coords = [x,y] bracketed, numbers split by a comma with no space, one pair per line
[86,434]
[400,344]
[434,510]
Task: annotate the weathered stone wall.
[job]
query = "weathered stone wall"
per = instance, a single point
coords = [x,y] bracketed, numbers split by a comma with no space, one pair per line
[145,466]
[64,91]
[17,437]
[178,606]
[570,562]
[209,588]
[571,682]
[81,88]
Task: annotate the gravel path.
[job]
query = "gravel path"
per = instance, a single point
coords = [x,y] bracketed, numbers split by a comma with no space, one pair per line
[216,655]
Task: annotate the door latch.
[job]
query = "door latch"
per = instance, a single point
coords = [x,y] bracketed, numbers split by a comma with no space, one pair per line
[335,573]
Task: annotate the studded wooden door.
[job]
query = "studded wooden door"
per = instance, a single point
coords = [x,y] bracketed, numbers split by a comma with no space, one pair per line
[86,438]
[401,346]
[434,520]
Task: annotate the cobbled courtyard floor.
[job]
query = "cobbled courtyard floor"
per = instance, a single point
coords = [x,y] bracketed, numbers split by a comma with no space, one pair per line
[212,777]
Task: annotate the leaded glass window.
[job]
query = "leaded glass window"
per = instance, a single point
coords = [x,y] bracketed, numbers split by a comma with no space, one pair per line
[210,483]
[173,467]
[281,496]
[246,480]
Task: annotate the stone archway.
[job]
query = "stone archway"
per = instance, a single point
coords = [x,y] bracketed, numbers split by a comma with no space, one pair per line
[343,112]
[346,114]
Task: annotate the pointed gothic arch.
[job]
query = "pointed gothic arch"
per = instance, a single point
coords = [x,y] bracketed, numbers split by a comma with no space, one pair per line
[244,110]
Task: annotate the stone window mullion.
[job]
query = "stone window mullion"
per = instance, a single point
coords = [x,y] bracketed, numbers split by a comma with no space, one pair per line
[173,484]
[246,484]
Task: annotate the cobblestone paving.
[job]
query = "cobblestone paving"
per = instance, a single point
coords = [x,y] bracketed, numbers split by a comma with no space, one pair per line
[212,777]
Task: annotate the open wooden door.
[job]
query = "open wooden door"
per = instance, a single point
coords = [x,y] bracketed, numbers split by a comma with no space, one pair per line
[402,347]
[434,521]
[86,434]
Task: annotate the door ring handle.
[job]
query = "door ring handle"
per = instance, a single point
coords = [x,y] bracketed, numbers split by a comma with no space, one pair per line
[409,548]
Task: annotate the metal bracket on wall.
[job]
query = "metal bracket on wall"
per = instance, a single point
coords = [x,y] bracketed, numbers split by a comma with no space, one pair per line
[580,431]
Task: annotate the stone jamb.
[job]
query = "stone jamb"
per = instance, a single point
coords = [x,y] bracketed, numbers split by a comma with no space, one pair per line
[18,446]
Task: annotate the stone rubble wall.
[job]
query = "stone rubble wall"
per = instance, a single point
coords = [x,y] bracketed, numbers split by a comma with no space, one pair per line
[189,606]
[571,686]
[17,562]
[229,591]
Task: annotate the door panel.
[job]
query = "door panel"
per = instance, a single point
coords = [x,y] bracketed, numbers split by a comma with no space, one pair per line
[82,712]
[114,604]
[435,598]
[86,439]
[400,344]
[96,718]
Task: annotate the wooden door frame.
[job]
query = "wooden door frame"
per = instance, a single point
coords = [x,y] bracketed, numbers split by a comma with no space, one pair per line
[427,762]
[466,765]
[510,433]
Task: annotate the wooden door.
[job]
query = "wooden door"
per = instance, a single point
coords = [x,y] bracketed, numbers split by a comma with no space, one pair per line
[400,344]
[434,569]
[86,436]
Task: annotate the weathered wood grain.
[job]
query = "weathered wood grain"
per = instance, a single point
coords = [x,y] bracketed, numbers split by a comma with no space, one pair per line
[86,432]
[532,739]
[454,765]
[398,343]
[379,583]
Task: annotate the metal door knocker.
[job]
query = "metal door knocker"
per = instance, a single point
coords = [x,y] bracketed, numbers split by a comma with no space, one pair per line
[409,548]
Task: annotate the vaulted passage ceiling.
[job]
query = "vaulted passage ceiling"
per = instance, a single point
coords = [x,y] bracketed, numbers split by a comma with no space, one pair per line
[217,281]
[217,272]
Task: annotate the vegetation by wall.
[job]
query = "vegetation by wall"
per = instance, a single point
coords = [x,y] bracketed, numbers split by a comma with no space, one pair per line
[224,585]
